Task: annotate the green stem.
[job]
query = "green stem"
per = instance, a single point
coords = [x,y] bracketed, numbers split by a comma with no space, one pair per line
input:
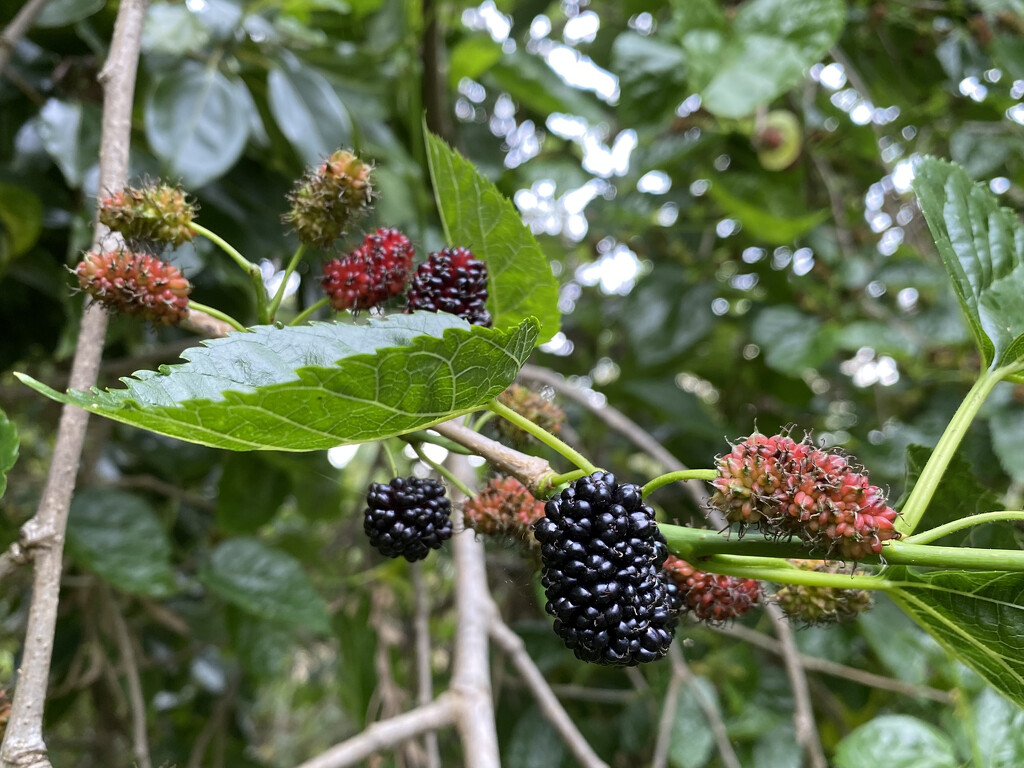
[279,295]
[482,419]
[692,543]
[304,314]
[675,477]
[193,304]
[247,266]
[931,475]
[964,522]
[543,435]
[442,470]
[444,442]
[567,477]
[723,565]
[390,456]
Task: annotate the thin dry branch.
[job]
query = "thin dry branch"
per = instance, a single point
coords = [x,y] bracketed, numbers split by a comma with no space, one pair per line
[424,678]
[471,673]
[17,28]
[140,741]
[549,704]
[835,669]
[23,745]
[531,471]
[386,734]
[803,713]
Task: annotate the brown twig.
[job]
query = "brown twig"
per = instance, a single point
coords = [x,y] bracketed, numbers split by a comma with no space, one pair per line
[549,704]
[385,734]
[471,675]
[531,471]
[16,29]
[23,745]
[803,713]
[835,669]
[424,678]
[137,702]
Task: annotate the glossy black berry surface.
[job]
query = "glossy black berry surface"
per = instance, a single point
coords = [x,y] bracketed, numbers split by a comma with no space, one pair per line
[407,517]
[454,281]
[602,555]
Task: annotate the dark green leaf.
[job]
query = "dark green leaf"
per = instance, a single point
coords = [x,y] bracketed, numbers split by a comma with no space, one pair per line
[977,617]
[478,217]
[173,29]
[982,149]
[896,741]
[193,125]
[959,493]
[9,443]
[250,491]
[739,65]
[265,582]
[21,218]
[534,742]
[982,247]
[60,13]
[312,387]
[651,72]
[471,58]
[119,537]
[71,135]
[792,341]
[308,111]
[998,731]
[692,742]
[763,223]
[1007,429]
[778,747]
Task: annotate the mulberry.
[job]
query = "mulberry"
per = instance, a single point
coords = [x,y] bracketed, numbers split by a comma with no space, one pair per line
[372,273]
[451,280]
[505,507]
[157,213]
[329,198]
[821,605]
[786,488]
[136,284]
[602,554]
[711,598]
[408,517]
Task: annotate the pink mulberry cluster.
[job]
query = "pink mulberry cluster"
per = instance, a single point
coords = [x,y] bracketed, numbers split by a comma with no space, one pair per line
[504,508]
[135,284]
[786,488]
[372,273]
[711,598]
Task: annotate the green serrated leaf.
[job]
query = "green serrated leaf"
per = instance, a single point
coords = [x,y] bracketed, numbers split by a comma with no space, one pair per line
[191,122]
[478,217]
[959,493]
[119,537]
[896,741]
[982,247]
[265,582]
[741,64]
[9,443]
[978,617]
[309,388]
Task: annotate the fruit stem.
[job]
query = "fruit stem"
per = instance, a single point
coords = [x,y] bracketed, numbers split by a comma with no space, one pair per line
[567,477]
[726,566]
[964,522]
[543,435]
[195,305]
[675,477]
[482,419]
[444,442]
[304,314]
[691,544]
[279,295]
[931,475]
[247,266]
[390,456]
[443,471]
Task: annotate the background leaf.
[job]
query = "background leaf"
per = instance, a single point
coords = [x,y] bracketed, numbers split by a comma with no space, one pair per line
[249,493]
[193,125]
[21,219]
[118,536]
[9,444]
[478,217]
[998,731]
[265,582]
[896,741]
[982,247]
[741,64]
[307,110]
[309,388]
[977,617]
[692,742]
